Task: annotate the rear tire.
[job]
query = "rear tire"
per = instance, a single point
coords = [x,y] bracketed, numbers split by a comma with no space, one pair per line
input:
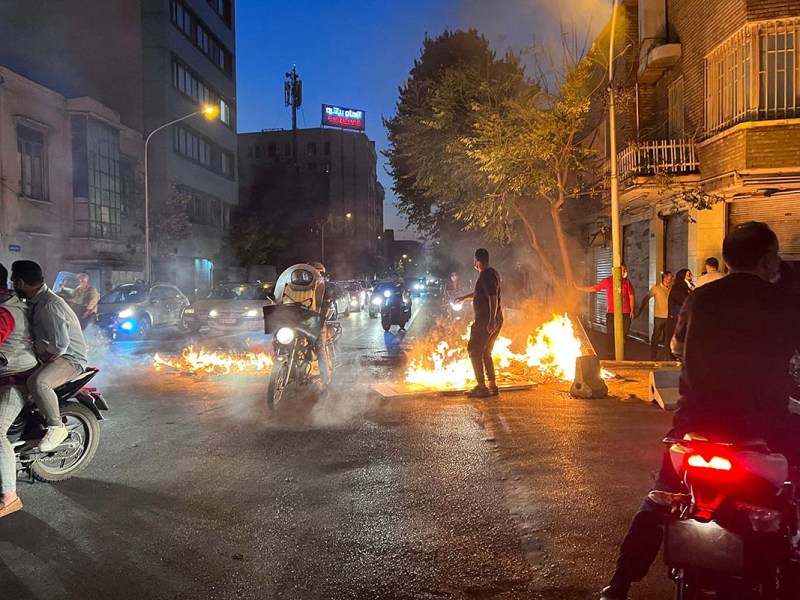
[278,379]
[84,430]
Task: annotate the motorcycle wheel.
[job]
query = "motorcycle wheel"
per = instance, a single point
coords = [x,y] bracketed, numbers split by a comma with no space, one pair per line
[84,437]
[278,379]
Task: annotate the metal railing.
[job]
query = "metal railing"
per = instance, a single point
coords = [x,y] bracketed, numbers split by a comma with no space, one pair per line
[645,159]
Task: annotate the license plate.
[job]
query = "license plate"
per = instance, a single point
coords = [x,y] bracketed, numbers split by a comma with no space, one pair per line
[690,543]
[228,321]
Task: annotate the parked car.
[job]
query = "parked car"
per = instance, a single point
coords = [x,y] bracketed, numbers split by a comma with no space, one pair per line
[341,301]
[230,307]
[358,295]
[134,309]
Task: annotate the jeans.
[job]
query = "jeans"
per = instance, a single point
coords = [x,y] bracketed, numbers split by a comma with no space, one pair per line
[610,342]
[480,347]
[672,323]
[44,379]
[659,331]
[12,400]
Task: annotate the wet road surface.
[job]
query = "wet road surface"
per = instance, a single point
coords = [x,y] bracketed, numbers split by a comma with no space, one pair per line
[198,492]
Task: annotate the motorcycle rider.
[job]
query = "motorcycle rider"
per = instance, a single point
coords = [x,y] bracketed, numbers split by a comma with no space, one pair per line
[304,284]
[58,343]
[452,290]
[84,300]
[16,358]
[736,339]
[401,292]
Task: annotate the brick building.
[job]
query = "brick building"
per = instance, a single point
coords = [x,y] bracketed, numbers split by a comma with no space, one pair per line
[710,101]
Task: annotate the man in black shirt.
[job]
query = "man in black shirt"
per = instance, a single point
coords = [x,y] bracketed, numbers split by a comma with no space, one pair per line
[487,324]
[736,337]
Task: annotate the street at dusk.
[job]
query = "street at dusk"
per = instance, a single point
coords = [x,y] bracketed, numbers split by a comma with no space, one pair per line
[197,492]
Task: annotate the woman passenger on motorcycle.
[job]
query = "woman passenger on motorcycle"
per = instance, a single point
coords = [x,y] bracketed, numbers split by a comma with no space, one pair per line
[16,357]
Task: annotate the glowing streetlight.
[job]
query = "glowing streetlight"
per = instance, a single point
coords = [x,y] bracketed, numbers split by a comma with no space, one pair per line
[209,111]
[349,216]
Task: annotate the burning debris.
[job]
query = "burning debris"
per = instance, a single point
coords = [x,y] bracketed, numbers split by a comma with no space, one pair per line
[550,354]
[194,360]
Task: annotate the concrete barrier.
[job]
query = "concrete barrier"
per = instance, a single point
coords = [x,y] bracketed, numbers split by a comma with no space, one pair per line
[664,387]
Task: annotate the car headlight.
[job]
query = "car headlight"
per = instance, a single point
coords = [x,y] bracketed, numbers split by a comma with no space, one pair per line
[188,311]
[285,335]
[253,312]
[387,294]
[124,314]
[212,313]
[376,301]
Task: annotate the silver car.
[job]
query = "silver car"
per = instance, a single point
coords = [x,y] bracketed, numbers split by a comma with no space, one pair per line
[134,309]
[231,307]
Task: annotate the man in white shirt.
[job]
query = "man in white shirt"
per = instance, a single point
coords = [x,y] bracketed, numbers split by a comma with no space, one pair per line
[712,273]
[660,294]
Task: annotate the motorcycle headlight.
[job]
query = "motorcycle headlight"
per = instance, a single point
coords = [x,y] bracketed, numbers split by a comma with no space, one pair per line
[188,311]
[212,313]
[251,313]
[456,307]
[387,294]
[124,314]
[285,335]
[376,301]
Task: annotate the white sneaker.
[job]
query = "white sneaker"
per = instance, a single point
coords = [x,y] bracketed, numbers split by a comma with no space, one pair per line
[53,438]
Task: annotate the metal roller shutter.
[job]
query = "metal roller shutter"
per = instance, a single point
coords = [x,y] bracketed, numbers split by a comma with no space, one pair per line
[676,242]
[636,256]
[602,269]
[782,214]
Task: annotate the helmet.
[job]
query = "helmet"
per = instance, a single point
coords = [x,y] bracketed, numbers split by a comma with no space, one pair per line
[318,266]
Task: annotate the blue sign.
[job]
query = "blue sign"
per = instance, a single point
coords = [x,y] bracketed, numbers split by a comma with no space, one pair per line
[345,118]
[14,248]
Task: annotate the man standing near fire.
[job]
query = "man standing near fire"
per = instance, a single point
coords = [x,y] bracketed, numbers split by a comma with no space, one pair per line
[486,327]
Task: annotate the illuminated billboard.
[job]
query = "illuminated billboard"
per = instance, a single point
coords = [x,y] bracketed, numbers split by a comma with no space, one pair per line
[344,118]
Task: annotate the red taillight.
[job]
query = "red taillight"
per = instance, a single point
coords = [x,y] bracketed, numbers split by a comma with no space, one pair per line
[717,462]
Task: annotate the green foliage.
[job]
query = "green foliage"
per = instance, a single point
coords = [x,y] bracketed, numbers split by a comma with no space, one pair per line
[169,222]
[683,197]
[251,242]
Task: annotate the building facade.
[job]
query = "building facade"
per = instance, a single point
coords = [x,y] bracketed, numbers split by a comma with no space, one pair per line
[334,190]
[63,164]
[708,138]
[151,62]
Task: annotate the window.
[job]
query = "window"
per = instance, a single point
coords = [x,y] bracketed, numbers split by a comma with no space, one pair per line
[287,149]
[327,148]
[127,185]
[271,150]
[190,84]
[312,148]
[32,167]
[202,151]
[676,111]
[205,210]
[223,9]
[754,75]
[201,37]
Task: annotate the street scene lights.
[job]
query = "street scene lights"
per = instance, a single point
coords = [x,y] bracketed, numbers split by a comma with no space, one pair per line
[209,111]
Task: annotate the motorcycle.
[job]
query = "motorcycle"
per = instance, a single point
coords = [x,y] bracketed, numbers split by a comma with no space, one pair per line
[734,533]
[297,331]
[81,411]
[395,309]
[454,311]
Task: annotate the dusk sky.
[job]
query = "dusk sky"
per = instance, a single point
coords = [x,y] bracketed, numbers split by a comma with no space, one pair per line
[356,54]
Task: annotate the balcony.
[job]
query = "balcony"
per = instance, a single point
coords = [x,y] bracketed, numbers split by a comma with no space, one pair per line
[647,159]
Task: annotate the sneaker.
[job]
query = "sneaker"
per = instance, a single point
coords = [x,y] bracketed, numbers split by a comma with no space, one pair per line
[479,391]
[493,390]
[613,593]
[53,438]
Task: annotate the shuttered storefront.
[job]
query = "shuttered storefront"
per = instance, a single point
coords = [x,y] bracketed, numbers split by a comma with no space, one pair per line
[676,242]
[636,256]
[782,214]
[602,269]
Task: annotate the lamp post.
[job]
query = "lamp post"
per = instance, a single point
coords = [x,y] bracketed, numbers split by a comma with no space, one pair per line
[616,230]
[210,111]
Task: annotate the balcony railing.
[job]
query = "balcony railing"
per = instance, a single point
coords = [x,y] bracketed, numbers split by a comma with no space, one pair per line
[646,159]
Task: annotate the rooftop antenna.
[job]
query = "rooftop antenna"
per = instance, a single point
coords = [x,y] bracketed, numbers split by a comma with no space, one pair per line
[293,96]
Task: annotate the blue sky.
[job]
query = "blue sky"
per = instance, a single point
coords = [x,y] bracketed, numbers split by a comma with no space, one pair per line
[356,54]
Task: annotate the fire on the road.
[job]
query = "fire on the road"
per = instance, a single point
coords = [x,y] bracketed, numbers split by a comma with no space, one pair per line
[200,360]
[550,353]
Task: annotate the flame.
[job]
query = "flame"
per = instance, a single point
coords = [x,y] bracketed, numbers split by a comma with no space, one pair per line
[550,353]
[194,360]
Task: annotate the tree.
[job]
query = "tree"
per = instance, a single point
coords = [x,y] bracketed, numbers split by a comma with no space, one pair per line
[251,242]
[169,223]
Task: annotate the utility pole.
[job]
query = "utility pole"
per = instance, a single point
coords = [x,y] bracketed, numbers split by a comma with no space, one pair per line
[293,96]
[616,230]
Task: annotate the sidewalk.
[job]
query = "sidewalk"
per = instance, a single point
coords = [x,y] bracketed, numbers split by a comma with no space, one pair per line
[634,349]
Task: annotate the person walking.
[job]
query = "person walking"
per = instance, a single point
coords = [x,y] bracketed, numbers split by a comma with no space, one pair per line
[58,343]
[712,273]
[660,295]
[486,303]
[681,288]
[16,358]
[628,305]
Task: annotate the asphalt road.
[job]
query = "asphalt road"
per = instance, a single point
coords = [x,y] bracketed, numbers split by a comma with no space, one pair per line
[198,492]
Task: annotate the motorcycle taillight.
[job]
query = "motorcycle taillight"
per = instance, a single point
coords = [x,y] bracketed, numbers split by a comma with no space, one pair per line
[717,463]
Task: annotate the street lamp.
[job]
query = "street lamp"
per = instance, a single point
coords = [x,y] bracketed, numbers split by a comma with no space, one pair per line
[209,111]
[616,246]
